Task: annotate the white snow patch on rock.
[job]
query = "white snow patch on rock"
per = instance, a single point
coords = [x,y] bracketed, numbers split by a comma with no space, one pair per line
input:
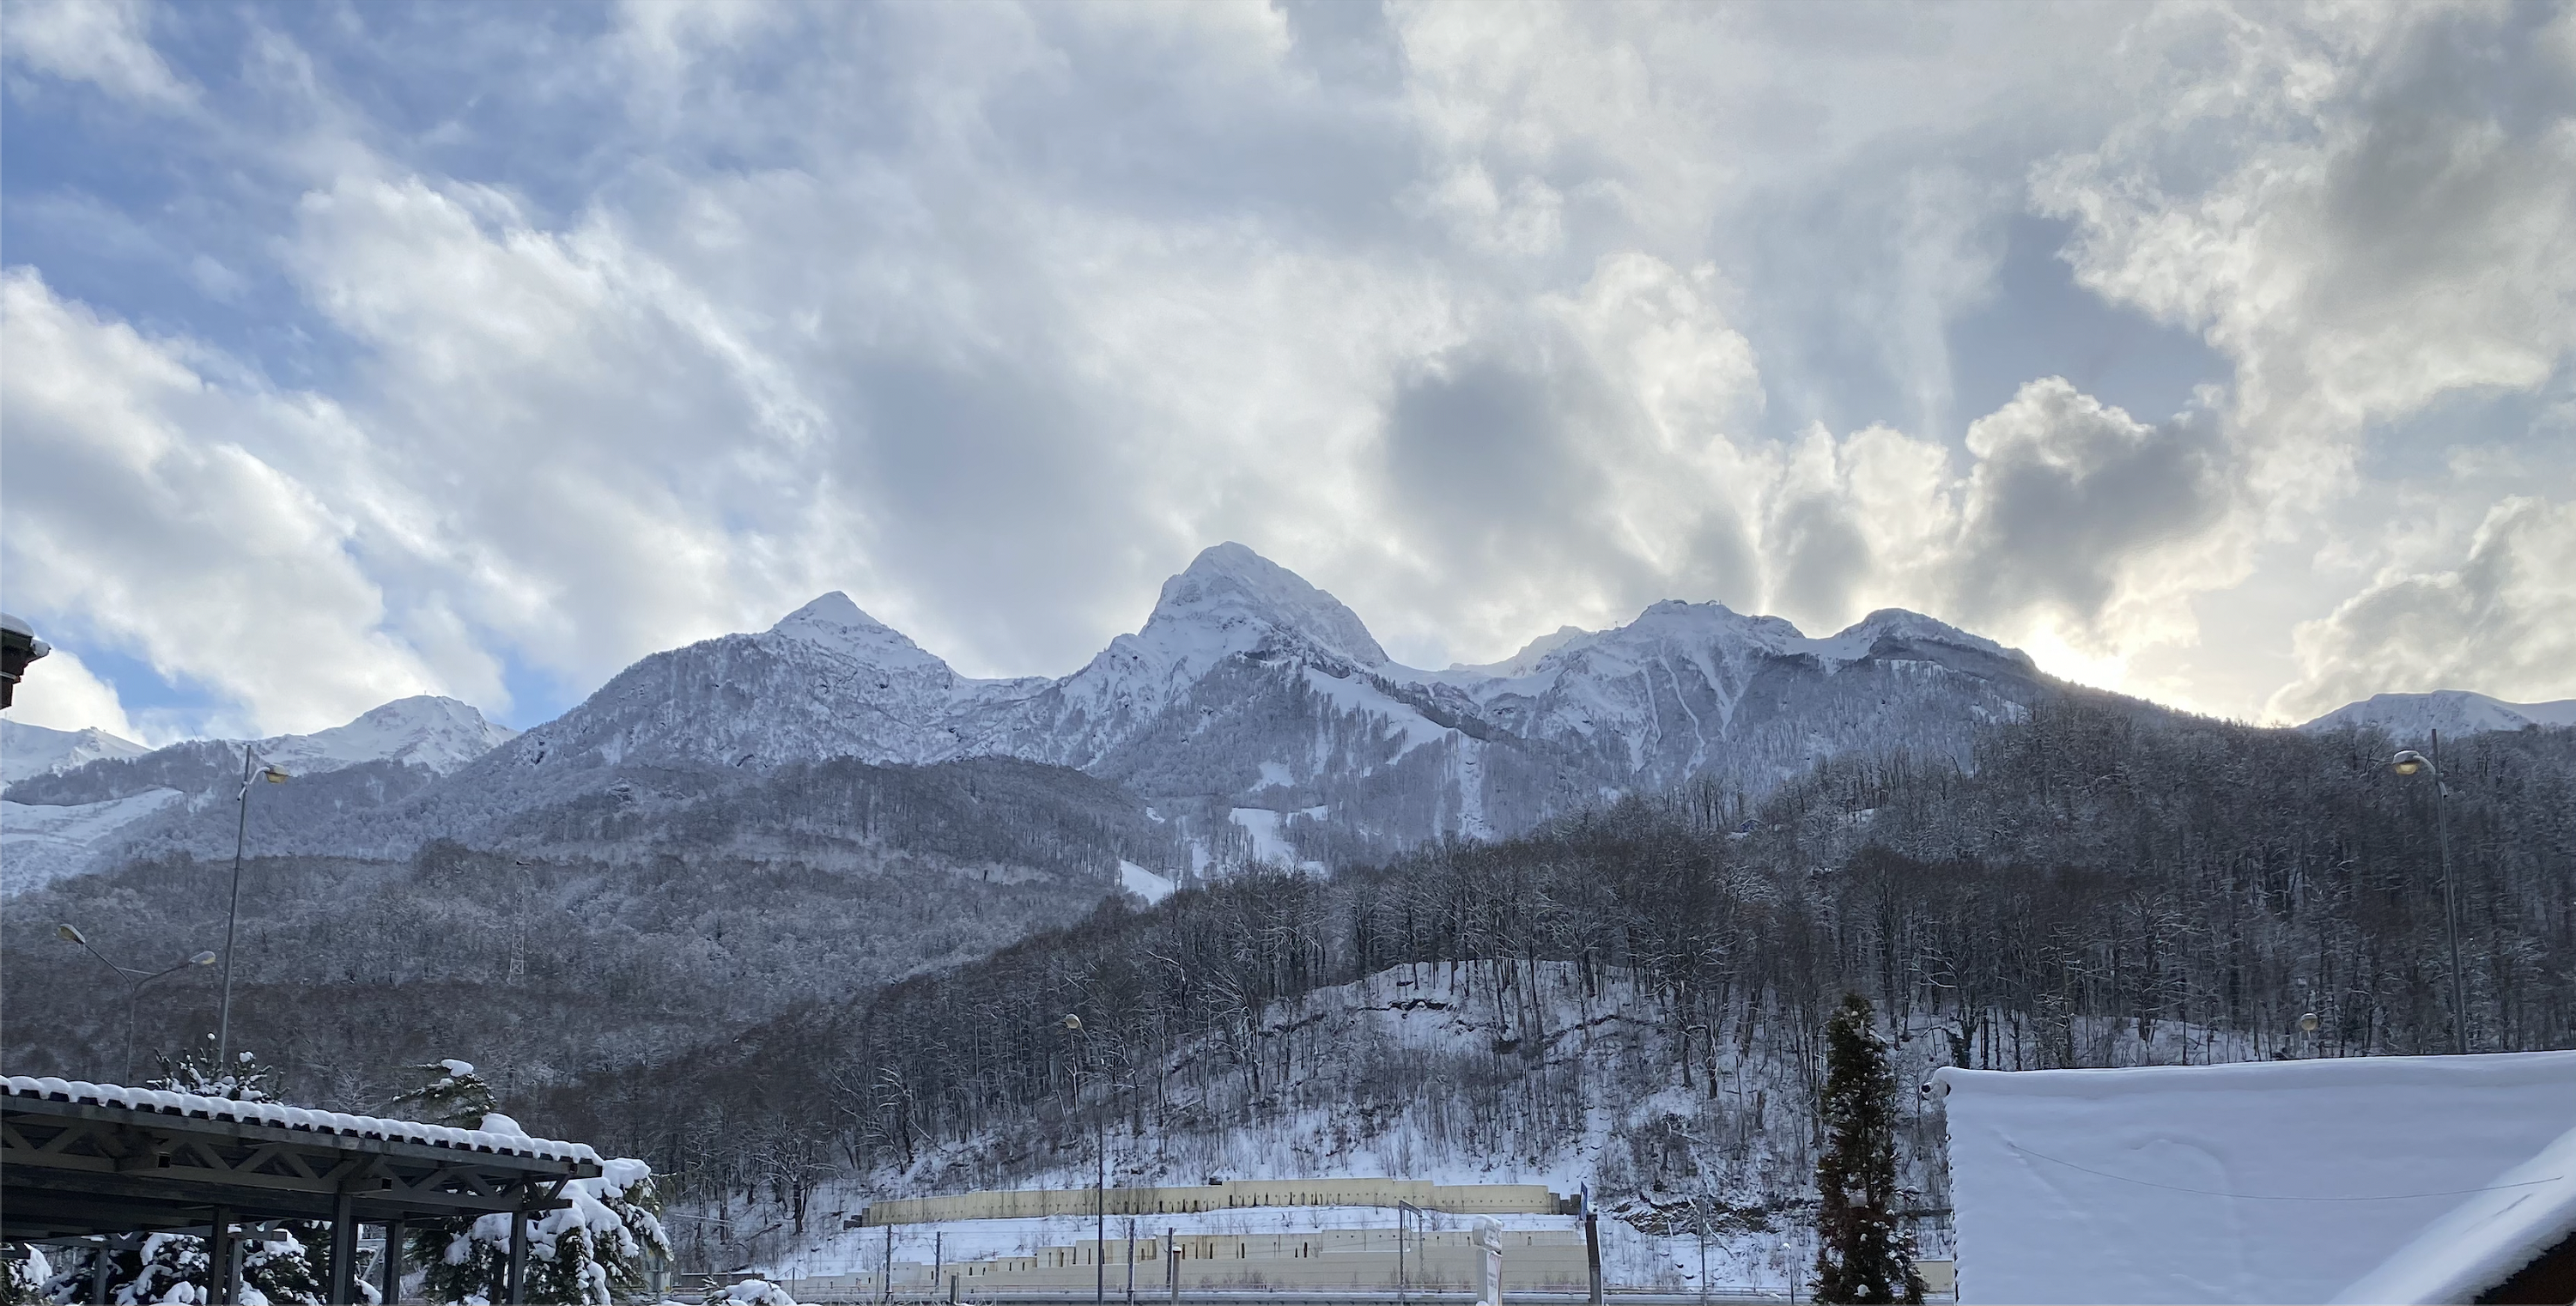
[1144,883]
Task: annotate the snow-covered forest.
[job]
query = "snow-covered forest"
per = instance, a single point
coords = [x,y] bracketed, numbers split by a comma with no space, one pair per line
[1628,999]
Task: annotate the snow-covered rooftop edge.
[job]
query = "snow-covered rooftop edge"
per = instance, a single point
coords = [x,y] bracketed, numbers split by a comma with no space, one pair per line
[2485,1240]
[167,1102]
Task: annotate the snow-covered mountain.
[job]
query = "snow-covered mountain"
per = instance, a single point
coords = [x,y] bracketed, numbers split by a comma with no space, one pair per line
[2451,711]
[1688,688]
[1252,712]
[57,821]
[35,750]
[827,681]
[1260,714]
[441,734]
[1230,603]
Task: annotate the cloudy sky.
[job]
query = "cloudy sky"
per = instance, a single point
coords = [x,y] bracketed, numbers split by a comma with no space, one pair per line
[2224,355]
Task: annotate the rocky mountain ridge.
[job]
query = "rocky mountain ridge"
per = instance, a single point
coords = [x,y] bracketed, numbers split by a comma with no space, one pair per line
[1252,713]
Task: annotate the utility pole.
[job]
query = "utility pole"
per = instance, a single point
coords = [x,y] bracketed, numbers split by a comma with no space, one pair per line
[232,910]
[1131,1261]
[1100,1213]
[2408,762]
[1172,1263]
[1592,1249]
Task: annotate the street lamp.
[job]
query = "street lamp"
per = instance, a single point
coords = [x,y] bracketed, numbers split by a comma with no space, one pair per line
[232,912]
[1100,1182]
[2409,762]
[134,979]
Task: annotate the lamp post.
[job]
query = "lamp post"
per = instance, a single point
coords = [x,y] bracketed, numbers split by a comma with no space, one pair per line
[1100,1180]
[232,911]
[2408,762]
[134,979]
[1402,1208]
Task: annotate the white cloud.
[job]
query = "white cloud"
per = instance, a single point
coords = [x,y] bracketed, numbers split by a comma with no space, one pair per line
[133,519]
[1486,318]
[103,41]
[2337,205]
[2499,622]
[61,693]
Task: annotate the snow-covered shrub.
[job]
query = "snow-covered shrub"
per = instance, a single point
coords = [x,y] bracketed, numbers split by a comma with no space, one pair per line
[280,1267]
[590,1252]
[452,1095]
[197,1071]
[753,1292]
[22,1279]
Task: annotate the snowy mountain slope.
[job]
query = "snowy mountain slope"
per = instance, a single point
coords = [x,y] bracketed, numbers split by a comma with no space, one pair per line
[2451,711]
[61,822]
[1230,602]
[1253,710]
[40,844]
[441,734]
[827,681]
[34,750]
[1688,689]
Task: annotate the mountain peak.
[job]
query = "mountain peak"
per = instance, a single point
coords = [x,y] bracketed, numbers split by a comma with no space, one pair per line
[1230,587]
[423,730]
[835,624]
[1901,623]
[830,618]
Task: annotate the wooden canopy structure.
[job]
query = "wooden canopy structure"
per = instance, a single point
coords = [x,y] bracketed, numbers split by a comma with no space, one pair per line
[80,1160]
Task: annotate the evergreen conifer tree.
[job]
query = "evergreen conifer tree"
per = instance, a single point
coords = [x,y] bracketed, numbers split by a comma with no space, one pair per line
[1864,1253]
[592,1251]
[451,1094]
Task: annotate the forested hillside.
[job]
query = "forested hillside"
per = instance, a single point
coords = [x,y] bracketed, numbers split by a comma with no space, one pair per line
[629,940]
[2101,889]
[1628,999]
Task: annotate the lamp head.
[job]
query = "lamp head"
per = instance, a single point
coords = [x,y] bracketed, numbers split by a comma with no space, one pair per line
[2308,1023]
[273,775]
[2407,762]
[1070,1022]
[202,959]
[69,935]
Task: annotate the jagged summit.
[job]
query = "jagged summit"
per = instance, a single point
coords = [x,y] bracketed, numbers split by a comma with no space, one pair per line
[836,625]
[1241,596]
[1715,631]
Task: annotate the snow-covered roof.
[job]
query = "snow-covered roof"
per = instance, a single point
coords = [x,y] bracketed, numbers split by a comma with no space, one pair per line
[2260,1182]
[2485,1240]
[166,1102]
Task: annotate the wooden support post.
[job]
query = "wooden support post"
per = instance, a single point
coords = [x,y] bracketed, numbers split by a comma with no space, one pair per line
[220,1250]
[518,1289]
[389,1284]
[344,1246]
[98,1270]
